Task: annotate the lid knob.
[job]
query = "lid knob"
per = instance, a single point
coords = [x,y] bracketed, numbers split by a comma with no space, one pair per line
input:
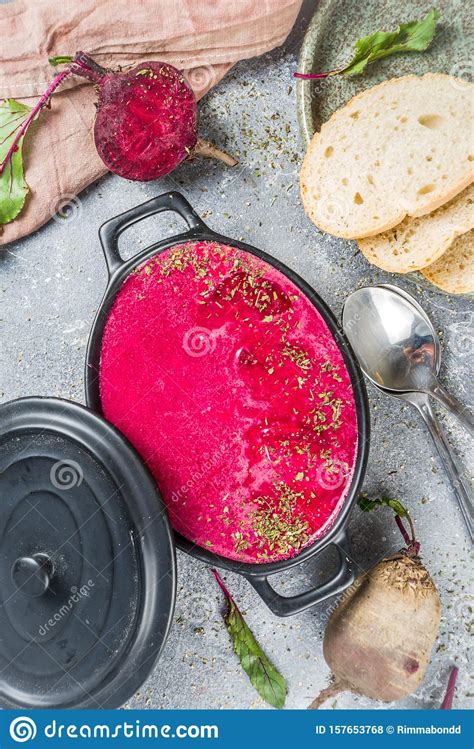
[32,575]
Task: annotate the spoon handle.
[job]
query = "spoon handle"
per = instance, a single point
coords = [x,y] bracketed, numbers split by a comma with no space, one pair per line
[458,481]
[453,405]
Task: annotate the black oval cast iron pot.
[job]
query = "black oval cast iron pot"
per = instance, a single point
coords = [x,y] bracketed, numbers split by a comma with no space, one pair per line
[257,574]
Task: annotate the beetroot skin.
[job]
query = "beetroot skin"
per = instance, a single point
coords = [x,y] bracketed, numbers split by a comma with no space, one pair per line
[146,122]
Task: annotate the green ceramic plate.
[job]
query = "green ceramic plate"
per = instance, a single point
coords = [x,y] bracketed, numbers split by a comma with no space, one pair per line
[329,41]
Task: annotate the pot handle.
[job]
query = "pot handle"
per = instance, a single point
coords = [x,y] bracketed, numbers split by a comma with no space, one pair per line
[110,232]
[288,605]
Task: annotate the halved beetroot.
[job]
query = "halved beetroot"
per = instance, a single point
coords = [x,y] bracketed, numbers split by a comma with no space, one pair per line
[146,122]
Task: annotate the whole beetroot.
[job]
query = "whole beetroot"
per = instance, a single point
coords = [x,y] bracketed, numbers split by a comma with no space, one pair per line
[379,638]
[146,121]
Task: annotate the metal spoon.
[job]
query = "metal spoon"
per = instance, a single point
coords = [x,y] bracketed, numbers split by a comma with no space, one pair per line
[410,354]
[399,352]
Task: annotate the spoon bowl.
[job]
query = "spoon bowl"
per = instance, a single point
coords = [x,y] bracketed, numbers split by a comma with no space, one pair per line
[399,351]
[396,344]
[411,300]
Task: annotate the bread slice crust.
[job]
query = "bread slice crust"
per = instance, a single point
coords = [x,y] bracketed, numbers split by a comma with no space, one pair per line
[454,271]
[418,242]
[401,148]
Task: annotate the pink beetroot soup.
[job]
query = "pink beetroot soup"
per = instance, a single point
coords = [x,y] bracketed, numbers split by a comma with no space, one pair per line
[230,385]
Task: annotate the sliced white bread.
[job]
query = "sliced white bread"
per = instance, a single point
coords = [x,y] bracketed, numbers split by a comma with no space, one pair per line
[454,271]
[402,148]
[418,242]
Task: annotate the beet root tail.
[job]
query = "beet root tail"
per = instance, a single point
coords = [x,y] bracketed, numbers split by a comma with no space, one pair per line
[447,703]
[210,151]
[335,688]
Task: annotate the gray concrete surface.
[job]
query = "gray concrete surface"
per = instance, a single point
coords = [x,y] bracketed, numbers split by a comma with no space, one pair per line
[51,286]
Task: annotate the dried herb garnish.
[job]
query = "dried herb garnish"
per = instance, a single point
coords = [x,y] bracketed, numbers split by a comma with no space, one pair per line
[277,524]
[185,255]
[265,678]
[415,36]
[298,356]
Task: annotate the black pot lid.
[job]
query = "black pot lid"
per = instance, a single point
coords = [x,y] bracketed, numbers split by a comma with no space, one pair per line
[87,563]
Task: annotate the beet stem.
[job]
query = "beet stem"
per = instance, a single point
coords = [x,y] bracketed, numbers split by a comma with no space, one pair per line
[413,546]
[402,530]
[86,67]
[412,528]
[447,703]
[38,106]
[315,76]
[210,151]
[221,584]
